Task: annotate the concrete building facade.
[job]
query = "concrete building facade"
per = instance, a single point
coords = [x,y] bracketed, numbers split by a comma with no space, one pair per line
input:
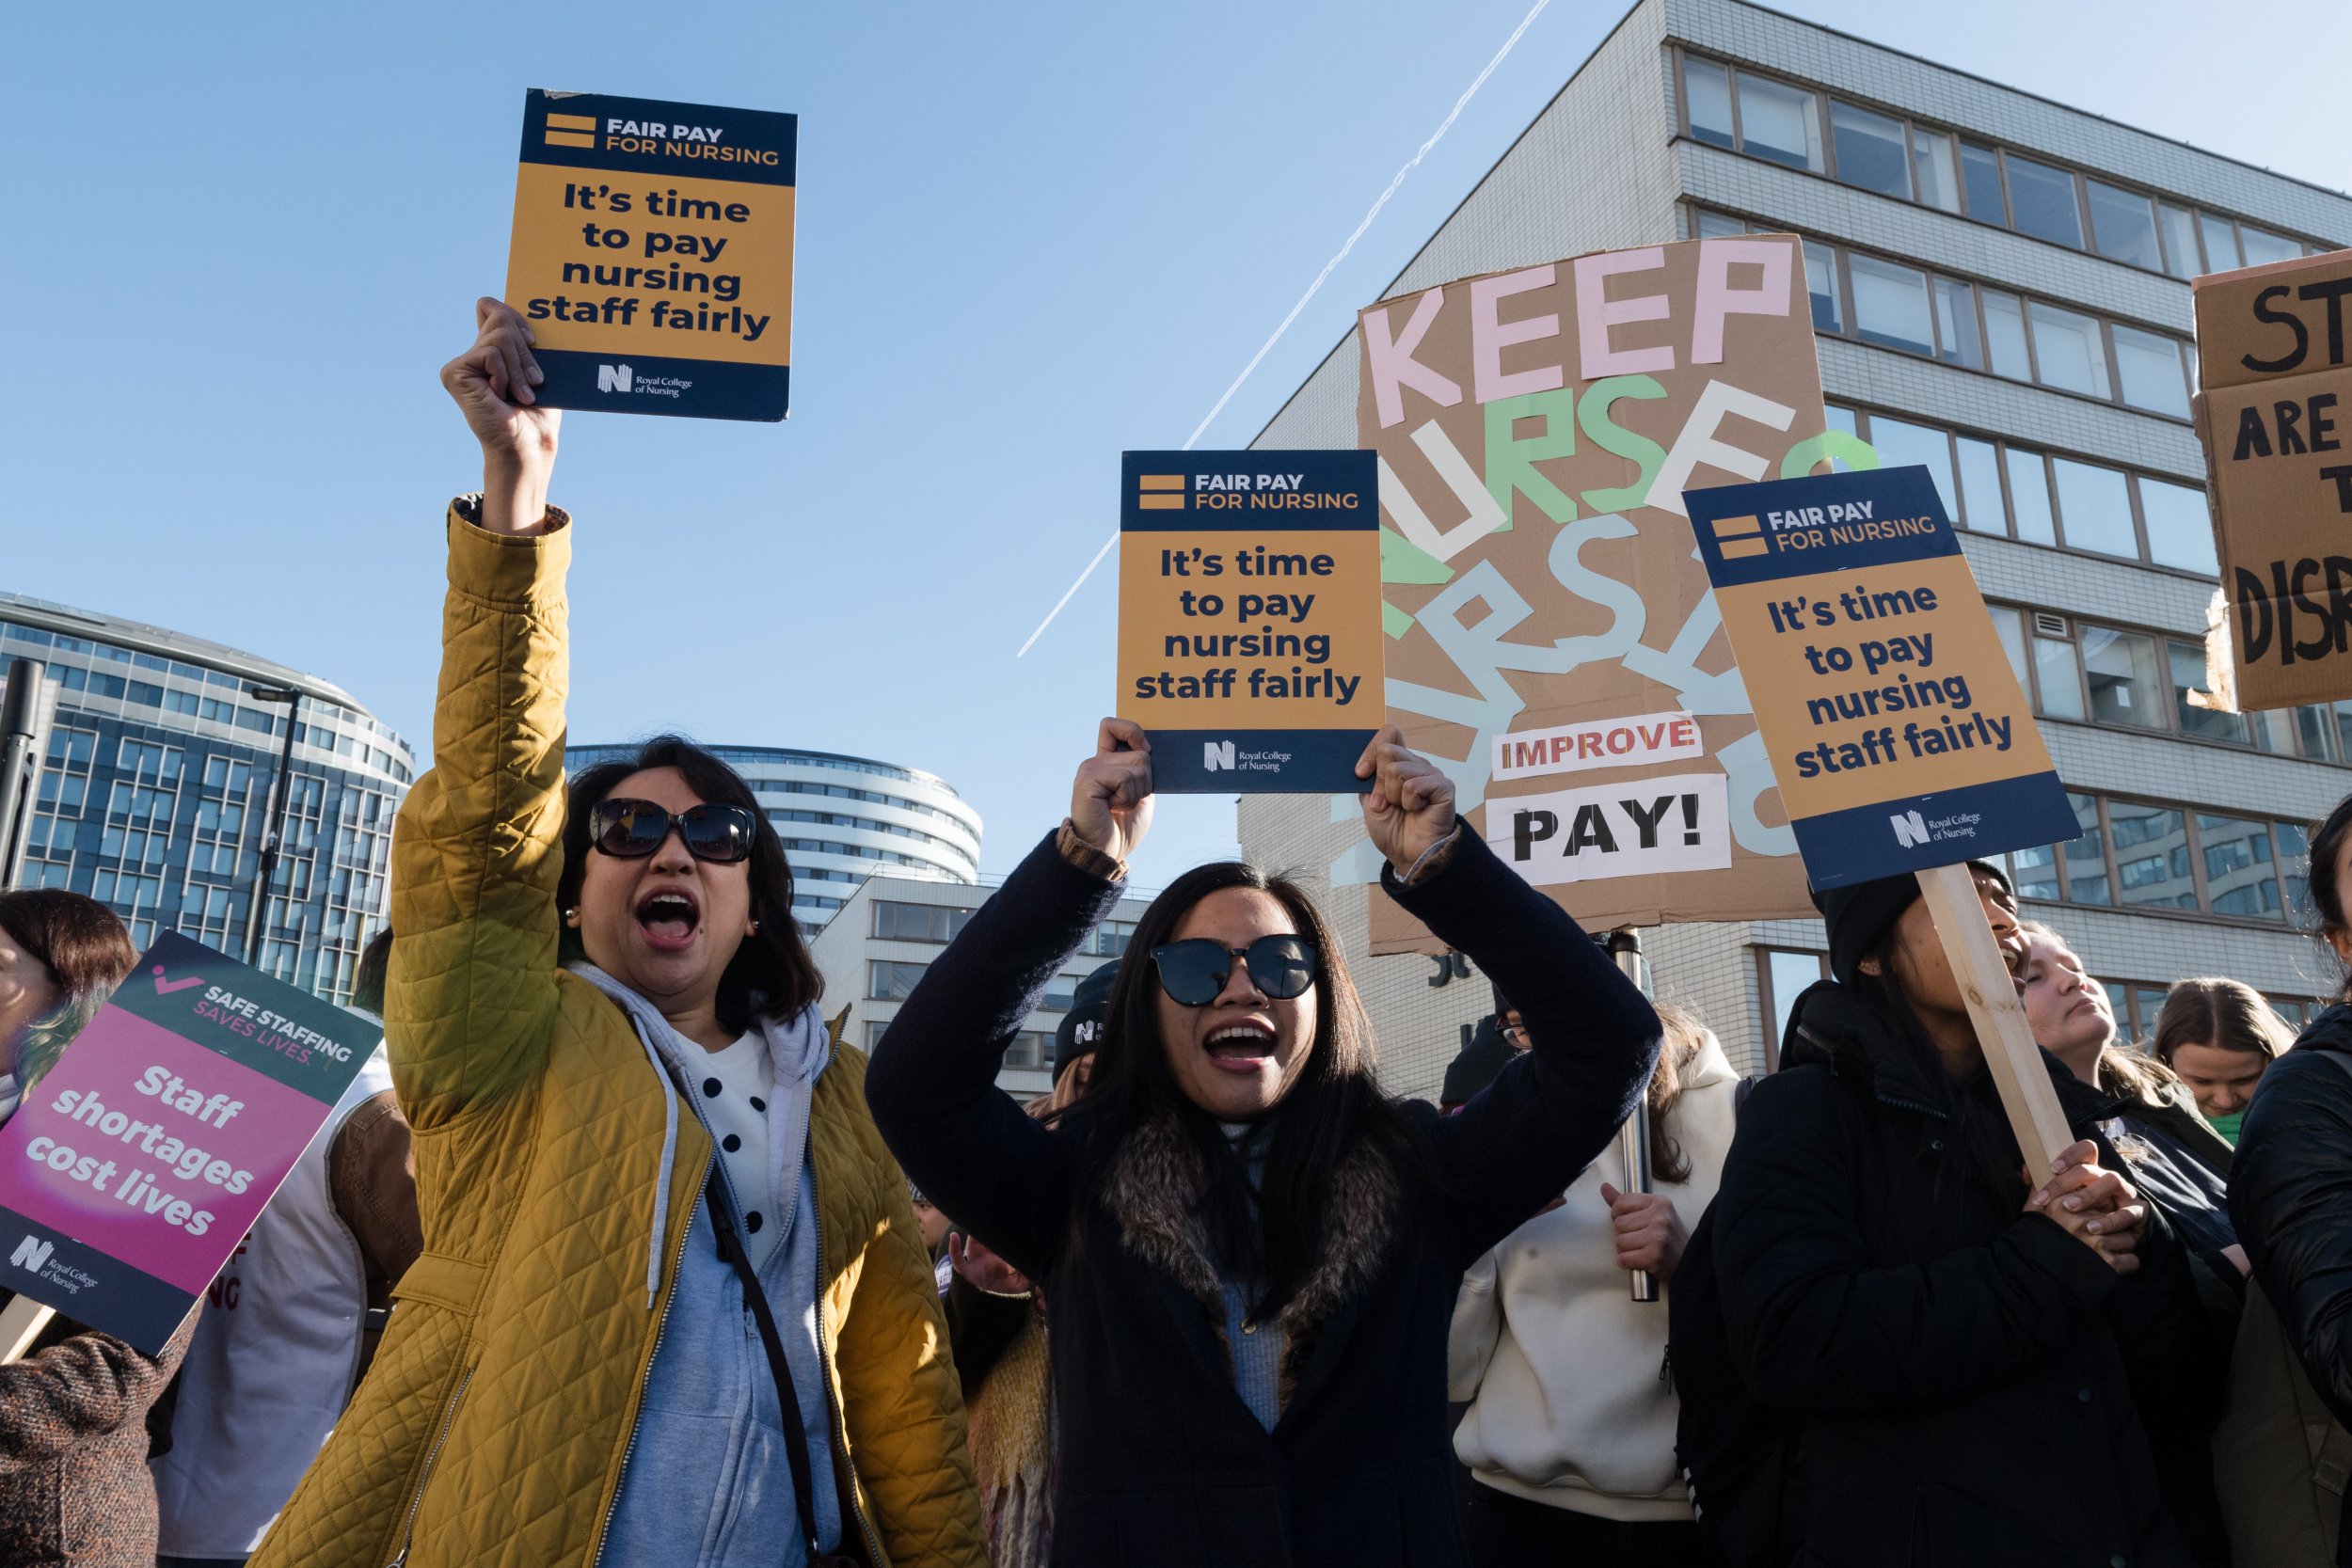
[887,932]
[1999,292]
[155,786]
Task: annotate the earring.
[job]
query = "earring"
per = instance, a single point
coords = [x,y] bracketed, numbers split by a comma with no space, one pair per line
[571,916]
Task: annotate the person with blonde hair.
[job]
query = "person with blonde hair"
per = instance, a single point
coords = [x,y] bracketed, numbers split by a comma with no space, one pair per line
[2220,1037]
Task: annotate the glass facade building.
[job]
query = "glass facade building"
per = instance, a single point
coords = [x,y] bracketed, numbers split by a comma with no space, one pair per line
[155,784]
[1999,292]
[845,819]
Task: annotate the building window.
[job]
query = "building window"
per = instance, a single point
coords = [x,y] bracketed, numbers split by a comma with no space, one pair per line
[1782,121]
[1890,306]
[1779,122]
[895,921]
[2127,686]
[1782,975]
[1871,151]
[2155,856]
[891,980]
[2124,224]
[1904,309]
[1991,487]
[2042,201]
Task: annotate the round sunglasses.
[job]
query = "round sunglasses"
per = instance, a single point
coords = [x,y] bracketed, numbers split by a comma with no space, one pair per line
[1194,971]
[632,829]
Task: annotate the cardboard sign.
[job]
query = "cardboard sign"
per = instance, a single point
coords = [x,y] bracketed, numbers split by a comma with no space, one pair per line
[1250,617]
[2276,416]
[1536,432]
[135,1166]
[1893,717]
[652,254]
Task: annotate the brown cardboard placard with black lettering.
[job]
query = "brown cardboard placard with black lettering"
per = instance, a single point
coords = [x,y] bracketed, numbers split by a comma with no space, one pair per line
[1554,645]
[2275,414]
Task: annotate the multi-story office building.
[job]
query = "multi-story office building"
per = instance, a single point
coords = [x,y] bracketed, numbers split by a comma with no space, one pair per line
[155,786]
[1999,292]
[890,929]
[844,820]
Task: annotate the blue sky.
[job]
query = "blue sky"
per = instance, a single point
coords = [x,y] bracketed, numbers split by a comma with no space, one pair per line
[242,240]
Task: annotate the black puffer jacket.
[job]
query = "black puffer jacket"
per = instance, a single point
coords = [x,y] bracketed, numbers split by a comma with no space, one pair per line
[1965,1372]
[2291,1195]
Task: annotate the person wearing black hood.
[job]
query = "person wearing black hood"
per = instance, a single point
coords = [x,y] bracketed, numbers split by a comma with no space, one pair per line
[1964,1349]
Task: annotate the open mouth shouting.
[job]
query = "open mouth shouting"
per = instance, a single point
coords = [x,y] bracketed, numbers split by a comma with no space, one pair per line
[669,917]
[1242,1047]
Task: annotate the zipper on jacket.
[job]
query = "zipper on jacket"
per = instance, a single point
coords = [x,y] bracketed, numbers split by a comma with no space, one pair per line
[431,1456]
[677,1261]
[839,1437]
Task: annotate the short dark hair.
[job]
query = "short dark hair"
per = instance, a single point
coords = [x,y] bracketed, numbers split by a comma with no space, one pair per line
[87,951]
[771,973]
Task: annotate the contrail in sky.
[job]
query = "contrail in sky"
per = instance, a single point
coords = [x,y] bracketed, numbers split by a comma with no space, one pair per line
[1328,267]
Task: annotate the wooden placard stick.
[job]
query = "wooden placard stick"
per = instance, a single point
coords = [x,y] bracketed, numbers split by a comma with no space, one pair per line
[21,1322]
[2018,1072]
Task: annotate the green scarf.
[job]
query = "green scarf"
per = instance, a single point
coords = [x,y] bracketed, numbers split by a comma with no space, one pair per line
[2227,1126]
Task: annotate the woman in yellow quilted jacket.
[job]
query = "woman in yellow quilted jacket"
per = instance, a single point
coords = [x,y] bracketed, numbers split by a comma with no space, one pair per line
[672,1307]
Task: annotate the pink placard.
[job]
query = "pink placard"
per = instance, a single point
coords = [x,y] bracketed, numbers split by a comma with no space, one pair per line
[85,1153]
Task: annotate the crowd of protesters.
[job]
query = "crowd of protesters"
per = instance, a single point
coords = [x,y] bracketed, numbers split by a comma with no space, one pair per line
[616,1254]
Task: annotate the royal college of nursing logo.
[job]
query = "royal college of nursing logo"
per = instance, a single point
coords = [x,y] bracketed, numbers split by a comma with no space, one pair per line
[613,378]
[1911,830]
[32,1254]
[1215,756]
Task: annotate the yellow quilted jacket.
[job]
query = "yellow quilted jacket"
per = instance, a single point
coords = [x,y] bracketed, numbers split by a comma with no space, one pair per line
[493,1425]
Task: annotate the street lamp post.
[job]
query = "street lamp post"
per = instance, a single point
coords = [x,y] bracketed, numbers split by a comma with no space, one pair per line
[257,903]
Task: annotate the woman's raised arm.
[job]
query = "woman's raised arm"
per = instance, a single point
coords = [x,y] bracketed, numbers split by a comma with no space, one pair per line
[478,846]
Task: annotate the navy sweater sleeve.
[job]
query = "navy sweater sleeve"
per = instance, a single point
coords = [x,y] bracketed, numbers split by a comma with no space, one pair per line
[991,1168]
[1594,1038]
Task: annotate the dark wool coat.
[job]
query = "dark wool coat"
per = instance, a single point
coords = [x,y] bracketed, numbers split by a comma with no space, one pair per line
[1968,1375]
[2291,1195]
[75,1486]
[1160,1461]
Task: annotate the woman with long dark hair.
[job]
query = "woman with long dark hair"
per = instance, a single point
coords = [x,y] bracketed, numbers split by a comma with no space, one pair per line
[2219,1037]
[1251,1251]
[74,1485]
[673,1306]
[1961,1333]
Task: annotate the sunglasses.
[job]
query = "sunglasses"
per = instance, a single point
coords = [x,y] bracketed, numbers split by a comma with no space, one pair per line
[1194,973]
[632,829]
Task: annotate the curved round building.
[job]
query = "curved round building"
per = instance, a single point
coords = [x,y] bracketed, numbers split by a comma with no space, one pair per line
[155,783]
[845,819]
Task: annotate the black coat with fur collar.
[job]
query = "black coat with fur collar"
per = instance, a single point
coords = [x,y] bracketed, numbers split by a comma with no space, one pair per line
[1160,1462]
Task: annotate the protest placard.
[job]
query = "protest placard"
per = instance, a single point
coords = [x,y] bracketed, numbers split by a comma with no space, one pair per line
[1250,617]
[2273,413]
[1535,431]
[1895,725]
[1893,718]
[137,1165]
[652,255]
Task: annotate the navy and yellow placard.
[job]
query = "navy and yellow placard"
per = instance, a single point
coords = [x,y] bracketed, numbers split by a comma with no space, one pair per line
[1898,731]
[1249,644]
[652,255]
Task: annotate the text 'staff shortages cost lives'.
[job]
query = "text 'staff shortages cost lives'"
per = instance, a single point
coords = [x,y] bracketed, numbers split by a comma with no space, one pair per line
[652,255]
[1895,722]
[1250,643]
[2276,416]
[137,1165]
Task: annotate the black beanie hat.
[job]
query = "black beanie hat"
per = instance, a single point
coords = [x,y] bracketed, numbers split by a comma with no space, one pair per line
[1081,1027]
[1860,914]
